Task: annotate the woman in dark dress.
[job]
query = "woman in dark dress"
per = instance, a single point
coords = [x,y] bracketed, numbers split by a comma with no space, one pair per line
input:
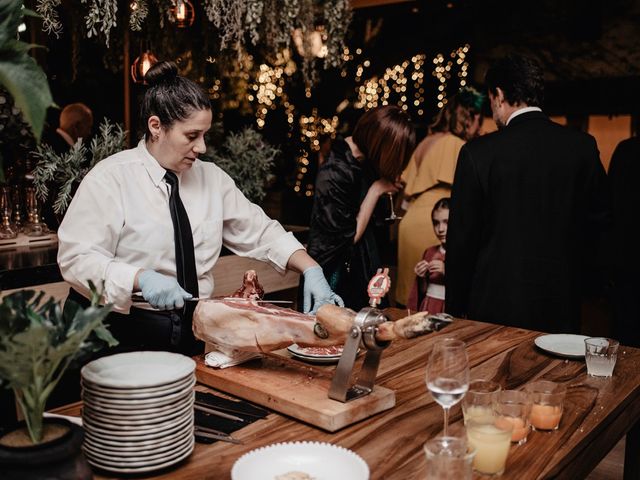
[359,170]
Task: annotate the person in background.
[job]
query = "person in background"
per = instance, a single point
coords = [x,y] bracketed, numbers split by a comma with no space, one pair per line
[429,176]
[624,175]
[154,218]
[428,292]
[76,121]
[528,205]
[358,171]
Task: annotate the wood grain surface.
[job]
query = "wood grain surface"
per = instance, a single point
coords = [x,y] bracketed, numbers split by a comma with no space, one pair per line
[295,389]
[598,412]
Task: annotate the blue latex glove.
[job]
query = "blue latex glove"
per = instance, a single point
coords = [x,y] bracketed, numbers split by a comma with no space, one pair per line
[162,292]
[317,288]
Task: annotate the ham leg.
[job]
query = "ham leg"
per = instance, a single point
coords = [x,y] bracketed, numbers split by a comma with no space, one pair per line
[247,326]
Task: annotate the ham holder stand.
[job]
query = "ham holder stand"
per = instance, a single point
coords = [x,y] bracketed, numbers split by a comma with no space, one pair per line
[363,334]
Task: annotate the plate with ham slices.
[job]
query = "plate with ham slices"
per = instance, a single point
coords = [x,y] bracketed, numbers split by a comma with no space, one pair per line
[316,354]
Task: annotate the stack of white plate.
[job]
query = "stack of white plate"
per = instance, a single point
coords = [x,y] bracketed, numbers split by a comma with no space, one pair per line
[138,411]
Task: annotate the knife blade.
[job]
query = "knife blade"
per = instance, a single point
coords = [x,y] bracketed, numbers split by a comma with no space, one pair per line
[213,411]
[239,299]
[215,435]
[138,298]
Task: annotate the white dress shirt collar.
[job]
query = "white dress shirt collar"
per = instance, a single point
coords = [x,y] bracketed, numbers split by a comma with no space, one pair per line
[156,171]
[523,110]
[67,138]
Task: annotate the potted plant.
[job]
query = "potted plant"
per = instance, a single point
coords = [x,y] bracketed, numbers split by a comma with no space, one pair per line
[38,341]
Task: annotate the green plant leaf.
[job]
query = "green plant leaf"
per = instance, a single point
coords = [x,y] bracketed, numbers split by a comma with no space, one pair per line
[19,72]
[38,341]
[27,84]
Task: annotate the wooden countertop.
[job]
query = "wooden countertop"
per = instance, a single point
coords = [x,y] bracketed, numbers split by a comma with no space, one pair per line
[598,412]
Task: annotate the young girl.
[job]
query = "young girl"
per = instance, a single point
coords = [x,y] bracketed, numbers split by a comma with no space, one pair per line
[427,294]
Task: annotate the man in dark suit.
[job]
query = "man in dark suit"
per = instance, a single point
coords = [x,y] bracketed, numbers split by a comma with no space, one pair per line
[624,175]
[76,121]
[529,203]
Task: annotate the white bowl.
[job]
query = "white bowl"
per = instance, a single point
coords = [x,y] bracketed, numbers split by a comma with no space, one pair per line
[316,459]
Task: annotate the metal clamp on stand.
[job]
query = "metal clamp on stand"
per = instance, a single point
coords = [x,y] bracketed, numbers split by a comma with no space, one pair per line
[362,333]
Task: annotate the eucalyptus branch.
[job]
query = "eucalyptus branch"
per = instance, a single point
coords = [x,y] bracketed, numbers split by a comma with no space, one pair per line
[50,18]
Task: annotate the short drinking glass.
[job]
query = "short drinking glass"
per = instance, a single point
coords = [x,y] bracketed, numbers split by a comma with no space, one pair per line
[547,400]
[449,457]
[514,406]
[491,441]
[480,399]
[601,355]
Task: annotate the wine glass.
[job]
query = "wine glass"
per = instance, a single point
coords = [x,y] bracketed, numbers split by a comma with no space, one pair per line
[448,374]
[392,217]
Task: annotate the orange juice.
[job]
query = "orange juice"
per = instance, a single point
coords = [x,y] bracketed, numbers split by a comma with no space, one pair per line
[545,417]
[520,428]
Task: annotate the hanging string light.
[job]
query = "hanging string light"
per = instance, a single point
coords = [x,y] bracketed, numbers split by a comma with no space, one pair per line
[185,13]
[141,66]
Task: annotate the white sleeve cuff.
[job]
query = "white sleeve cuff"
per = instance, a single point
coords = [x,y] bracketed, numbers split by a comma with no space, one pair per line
[119,278]
[279,252]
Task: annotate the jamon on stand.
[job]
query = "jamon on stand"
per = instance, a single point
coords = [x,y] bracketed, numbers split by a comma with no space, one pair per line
[248,326]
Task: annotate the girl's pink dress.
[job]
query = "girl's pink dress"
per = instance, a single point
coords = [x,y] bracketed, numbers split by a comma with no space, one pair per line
[427,294]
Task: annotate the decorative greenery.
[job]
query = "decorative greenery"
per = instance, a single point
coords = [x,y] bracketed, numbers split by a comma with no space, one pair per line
[19,73]
[65,171]
[38,341]
[267,24]
[248,159]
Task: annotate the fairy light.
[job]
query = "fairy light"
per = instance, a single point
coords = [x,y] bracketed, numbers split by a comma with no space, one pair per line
[312,127]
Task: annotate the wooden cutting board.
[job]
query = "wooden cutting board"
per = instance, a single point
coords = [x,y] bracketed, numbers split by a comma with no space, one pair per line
[294,389]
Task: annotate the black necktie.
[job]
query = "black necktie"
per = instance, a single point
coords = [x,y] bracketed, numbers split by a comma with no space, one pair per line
[185,259]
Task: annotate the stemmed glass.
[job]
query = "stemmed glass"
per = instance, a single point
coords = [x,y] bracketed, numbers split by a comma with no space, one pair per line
[392,217]
[7,230]
[448,374]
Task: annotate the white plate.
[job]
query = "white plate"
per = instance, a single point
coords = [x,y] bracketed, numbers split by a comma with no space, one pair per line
[138,450]
[143,467]
[136,403]
[318,460]
[307,352]
[150,456]
[135,435]
[138,369]
[141,413]
[562,344]
[132,420]
[137,392]
[159,441]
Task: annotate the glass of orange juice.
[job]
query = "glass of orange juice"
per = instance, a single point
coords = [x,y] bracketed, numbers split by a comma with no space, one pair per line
[514,406]
[491,441]
[480,399]
[547,399]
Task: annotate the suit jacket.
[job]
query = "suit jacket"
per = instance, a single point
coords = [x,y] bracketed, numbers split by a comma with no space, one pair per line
[529,203]
[624,175]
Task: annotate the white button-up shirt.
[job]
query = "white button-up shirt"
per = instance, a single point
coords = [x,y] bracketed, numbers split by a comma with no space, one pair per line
[119,222]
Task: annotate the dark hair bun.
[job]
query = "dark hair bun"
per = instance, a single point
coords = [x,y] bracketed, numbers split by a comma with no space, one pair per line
[161,72]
